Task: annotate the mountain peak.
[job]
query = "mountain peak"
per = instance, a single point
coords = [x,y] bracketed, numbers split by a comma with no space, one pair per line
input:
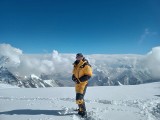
[33,76]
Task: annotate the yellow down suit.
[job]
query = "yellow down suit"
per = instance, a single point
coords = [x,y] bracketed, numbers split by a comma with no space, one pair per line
[82,71]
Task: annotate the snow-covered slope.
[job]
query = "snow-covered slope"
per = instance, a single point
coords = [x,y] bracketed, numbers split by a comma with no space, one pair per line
[7,77]
[51,83]
[33,81]
[2,85]
[138,102]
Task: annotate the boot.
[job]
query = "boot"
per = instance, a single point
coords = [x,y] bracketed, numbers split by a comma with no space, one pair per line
[83,114]
[82,110]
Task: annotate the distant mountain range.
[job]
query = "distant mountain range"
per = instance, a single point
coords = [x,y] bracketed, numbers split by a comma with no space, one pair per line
[108,70]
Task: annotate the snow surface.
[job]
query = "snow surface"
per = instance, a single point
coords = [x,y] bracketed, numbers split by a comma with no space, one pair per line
[138,102]
[2,85]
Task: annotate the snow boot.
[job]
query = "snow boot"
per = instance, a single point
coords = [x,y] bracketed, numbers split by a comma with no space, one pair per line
[82,110]
[83,114]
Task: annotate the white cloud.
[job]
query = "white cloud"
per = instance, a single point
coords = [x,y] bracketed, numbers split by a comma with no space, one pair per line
[23,64]
[12,53]
[147,33]
[56,56]
[55,62]
[49,64]
[37,64]
[153,61]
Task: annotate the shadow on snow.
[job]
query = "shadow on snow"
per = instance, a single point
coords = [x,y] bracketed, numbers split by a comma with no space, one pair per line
[35,112]
[157,95]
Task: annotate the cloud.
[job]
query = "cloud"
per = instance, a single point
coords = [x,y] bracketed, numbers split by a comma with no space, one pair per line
[57,63]
[12,53]
[44,63]
[147,33]
[152,62]
[24,65]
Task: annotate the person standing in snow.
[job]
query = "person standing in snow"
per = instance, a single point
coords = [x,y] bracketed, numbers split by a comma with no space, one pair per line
[82,72]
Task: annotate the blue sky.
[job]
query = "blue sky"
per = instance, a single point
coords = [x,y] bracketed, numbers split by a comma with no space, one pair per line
[87,26]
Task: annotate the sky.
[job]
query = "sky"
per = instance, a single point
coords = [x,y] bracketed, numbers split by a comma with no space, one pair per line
[86,26]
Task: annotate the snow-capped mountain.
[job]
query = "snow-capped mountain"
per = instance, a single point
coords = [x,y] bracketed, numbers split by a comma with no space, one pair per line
[46,70]
[124,76]
[7,77]
[29,82]
[32,81]
[106,73]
